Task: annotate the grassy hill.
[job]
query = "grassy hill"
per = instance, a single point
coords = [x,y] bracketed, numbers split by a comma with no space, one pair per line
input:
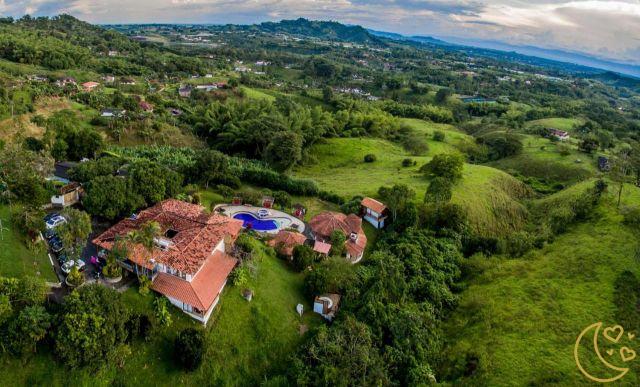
[543,159]
[520,318]
[489,195]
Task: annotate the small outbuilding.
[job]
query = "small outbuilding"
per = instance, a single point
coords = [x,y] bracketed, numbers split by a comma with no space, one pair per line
[327,305]
[374,212]
[285,241]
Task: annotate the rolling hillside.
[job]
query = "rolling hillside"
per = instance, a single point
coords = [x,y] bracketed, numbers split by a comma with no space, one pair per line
[491,196]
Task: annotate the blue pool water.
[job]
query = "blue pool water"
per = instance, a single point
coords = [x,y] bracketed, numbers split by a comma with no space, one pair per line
[250,221]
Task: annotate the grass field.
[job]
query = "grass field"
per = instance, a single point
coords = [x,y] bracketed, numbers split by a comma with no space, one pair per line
[521,317]
[488,194]
[541,158]
[565,124]
[256,94]
[247,340]
[16,260]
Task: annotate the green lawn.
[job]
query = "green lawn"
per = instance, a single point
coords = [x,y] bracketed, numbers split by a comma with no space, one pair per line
[487,193]
[247,340]
[565,124]
[16,260]
[257,94]
[521,317]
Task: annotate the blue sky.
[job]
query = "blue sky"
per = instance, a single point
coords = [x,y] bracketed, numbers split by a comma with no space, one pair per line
[605,29]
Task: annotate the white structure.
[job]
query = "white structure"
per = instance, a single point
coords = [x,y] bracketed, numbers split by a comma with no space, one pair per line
[374,212]
[327,305]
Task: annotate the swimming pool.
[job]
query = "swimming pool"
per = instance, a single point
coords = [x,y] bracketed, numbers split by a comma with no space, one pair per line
[250,221]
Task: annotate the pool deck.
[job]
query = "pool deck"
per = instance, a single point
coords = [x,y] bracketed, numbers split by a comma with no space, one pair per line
[287,221]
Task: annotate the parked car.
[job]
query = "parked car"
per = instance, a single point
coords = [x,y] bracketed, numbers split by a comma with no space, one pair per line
[50,233]
[50,216]
[62,258]
[55,222]
[55,244]
[68,266]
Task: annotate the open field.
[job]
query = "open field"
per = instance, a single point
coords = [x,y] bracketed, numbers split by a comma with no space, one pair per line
[247,340]
[541,158]
[16,260]
[520,318]
[488,194]
[561,123]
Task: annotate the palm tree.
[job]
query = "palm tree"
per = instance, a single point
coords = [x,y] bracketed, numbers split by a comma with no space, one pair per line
[145,235]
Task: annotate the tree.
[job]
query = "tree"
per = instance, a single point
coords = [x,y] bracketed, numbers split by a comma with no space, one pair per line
[303,257]
[153,182]
[396,198]
[111,197]
[333,275]
[75,231]
[621,170]
[327,94]
[29,328]
[337,240]
[445,165]
[283,199]
[161,311]
[212,166]
[189,348]
[340,353]
[443,94]
[439,190]
[284,150]
[589,144]
[145,236]
[93,320]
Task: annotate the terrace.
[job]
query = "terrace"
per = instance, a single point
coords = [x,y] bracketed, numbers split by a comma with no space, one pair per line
[260,219]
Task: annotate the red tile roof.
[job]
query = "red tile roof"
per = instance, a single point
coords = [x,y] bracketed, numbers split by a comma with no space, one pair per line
[324,224]
[321,247]
[197,233]
[205,287]
[374,205]
[285,241]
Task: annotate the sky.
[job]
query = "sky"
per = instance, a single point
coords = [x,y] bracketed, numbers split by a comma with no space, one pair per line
[604,29]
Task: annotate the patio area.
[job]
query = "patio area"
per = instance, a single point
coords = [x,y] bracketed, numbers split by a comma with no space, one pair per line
[263,220]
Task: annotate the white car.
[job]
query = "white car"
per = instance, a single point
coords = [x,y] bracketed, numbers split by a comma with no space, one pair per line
[68,266]
[55,222]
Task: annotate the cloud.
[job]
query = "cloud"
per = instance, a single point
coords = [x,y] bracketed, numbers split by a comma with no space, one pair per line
[608,29]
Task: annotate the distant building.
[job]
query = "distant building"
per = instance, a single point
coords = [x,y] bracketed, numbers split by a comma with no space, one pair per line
[603,163]
[558,134]
[61,171]
[109,78]
[185,91]
[109,113]
[476,99]
[146,106]
[67,195]
[89,86]
[62,82]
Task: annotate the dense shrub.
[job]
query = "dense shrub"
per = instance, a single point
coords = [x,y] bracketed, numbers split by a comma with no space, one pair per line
[189,348]
[631,215]
[370,158]
[303,257]
[408,163]
[438,135]
[446,165]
